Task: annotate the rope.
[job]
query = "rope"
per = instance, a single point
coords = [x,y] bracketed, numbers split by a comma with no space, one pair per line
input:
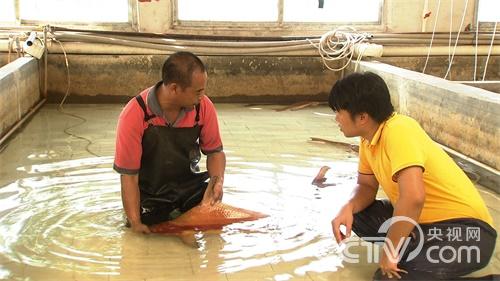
[60,107]
[432,38]
[489,51]
[338,45]
[475,54]
[458,36]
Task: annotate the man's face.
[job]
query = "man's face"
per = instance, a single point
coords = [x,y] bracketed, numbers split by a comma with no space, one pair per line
[347,125]
[192,95]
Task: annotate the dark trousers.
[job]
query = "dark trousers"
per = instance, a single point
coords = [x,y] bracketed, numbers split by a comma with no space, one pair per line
[451,248]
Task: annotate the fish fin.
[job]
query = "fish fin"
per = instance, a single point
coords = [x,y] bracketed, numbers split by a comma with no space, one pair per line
[188,238]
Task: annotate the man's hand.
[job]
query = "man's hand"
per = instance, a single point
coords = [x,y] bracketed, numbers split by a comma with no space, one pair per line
[214,192]
[216,164]
[344,217]
[140,228]
[410,204]
[389,265]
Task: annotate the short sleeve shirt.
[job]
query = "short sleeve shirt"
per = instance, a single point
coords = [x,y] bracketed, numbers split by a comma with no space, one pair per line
[131,127]
[399,143]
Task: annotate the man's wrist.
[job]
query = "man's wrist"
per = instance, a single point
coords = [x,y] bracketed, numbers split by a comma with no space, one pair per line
[350,205]
[134,221]
[217,178]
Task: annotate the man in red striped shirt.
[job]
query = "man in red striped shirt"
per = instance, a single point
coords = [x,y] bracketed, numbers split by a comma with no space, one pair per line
[159,136]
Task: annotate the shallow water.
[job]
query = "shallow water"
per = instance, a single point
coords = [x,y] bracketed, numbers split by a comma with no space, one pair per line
[68,216]
[61,212]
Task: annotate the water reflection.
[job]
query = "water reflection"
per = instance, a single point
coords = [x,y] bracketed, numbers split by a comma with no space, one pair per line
[67,216]
[61,219]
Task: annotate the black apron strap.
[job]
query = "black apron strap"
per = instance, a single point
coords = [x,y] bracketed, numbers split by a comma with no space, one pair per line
[147,117]
[197,118]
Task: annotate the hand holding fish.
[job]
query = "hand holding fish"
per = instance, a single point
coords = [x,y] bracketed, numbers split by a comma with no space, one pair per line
[214,192]
[140,228]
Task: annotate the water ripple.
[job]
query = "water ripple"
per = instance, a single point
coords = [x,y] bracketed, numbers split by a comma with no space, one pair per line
[68,216]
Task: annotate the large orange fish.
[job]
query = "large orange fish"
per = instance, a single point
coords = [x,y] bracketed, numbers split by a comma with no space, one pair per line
[206,217]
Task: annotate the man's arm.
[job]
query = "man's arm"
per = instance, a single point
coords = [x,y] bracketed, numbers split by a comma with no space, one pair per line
[216,165]
[410,204]
[363,195]
[131,202]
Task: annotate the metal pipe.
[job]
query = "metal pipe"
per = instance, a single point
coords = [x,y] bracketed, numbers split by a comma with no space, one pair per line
[299,50]
[390,51]
[264,38]
[110,43]
[470,36]
[477,82]
[398,51]
[4,32]
[391,41]
[248,44]
[383,39]
[136,41]
[82,48]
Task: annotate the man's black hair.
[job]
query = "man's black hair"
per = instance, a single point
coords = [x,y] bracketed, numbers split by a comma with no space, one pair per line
[362,92]
[179,68]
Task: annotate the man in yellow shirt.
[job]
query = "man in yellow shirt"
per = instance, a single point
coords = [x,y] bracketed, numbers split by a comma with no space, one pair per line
[432,205]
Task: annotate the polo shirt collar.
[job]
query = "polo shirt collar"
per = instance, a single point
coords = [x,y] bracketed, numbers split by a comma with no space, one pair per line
[378,133]
[154,105]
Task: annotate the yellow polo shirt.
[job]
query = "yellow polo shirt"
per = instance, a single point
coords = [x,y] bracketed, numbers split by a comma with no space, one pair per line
[399,143]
